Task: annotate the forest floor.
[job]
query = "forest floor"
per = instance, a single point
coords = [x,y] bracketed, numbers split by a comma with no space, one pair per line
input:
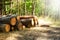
[35,33]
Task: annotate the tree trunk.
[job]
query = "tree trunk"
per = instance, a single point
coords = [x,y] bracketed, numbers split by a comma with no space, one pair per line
[33,7]
[25,6]
[0,7]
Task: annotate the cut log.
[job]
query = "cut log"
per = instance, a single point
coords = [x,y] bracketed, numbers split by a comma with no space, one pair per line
[8,20]
[15,27]
[18,18]
[13,21]
[27,22]
[4,27]
[20,26]
[45,26]
[35,19]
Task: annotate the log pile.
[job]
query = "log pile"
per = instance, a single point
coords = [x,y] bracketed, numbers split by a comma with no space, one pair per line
[12,22]
[29,20]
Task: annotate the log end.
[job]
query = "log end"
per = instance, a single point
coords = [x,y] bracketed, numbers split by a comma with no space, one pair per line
[13,21]
[20,26]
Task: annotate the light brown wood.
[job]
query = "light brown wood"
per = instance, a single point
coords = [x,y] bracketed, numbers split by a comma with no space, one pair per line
[5,27]
[20,26]
[18,18]
[13,21]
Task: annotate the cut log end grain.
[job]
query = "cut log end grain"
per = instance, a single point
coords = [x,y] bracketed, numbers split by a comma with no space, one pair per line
[20,26]
[32,22]
[13,21]
[35,21]
[18,18]
[5,27]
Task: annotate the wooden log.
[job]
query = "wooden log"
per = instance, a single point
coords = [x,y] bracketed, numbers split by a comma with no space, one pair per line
[15,27]
[34,18]
[20,26]
[45,26]
[4,27]
[8,20]
[18,18]
[27,22]
[13,21]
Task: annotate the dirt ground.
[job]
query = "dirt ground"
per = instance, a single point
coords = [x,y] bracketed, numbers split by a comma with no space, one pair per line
[36,33]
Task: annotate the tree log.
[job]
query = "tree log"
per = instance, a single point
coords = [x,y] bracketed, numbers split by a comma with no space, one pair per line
[34,18]
[8,20]
[18,18]
[27,22]
[4,27]
[20,26]
[15,27]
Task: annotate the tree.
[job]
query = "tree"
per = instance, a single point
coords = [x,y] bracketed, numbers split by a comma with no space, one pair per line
[0,7]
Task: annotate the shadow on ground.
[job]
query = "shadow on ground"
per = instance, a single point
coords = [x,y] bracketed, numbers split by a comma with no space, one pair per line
[51,34]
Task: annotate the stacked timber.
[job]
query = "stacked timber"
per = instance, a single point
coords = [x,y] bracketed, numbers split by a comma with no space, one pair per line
[33,20]
[11,20]
[19,25]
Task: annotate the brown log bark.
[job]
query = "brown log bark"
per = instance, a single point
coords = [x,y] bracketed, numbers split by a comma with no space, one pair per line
[4,27]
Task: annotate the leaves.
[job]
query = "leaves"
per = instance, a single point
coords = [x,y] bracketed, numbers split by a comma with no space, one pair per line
[18,6]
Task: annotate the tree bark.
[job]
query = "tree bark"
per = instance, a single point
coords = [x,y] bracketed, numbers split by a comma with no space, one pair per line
[0,7]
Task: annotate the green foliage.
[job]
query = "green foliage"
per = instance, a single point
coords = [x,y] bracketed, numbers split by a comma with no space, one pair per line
[29,6]
[19,7]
